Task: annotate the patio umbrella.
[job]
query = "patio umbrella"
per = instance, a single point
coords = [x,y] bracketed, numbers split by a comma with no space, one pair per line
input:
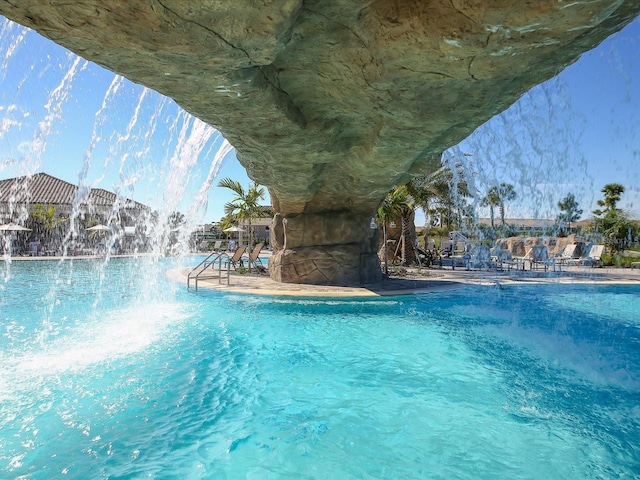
[234,229]
[12,227]
[99,228]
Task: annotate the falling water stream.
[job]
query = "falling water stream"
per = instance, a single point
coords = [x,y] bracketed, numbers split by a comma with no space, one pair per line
[138,144]
[110,370]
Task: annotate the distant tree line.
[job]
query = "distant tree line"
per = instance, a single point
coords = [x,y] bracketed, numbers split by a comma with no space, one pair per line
[614,224]
[446,195]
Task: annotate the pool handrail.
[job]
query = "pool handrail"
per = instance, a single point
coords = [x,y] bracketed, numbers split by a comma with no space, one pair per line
[205,264]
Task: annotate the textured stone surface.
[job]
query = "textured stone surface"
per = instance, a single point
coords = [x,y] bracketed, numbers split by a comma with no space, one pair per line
[519,246]
[332,103]
[338,248]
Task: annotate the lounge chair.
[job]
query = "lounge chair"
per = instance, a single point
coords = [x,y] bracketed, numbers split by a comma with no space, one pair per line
[254,258]
[217,245]
[526,258]
[236,260]
[593,258]
[34,249]
[540,256]
[567,254]
[504,258]
[480,258]
[446,248]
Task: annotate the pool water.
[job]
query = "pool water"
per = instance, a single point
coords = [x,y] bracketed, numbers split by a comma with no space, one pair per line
[112,371]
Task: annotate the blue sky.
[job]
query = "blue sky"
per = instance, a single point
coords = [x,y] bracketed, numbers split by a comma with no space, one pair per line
[68,117]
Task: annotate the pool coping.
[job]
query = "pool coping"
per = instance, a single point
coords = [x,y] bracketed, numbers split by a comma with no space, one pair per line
[416,282]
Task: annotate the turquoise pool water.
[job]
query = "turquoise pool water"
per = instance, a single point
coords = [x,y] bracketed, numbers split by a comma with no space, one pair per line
[103,376]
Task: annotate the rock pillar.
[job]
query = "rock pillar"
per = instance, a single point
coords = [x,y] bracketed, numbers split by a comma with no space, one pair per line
[326,248]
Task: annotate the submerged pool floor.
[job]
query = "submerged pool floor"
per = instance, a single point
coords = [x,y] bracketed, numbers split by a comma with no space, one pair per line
[106,372]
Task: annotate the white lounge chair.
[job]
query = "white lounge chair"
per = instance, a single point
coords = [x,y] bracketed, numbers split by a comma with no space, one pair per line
[460,248]
[446,248]
[567,254]
[540,257]
[594,257]
[528,256]
[480,258]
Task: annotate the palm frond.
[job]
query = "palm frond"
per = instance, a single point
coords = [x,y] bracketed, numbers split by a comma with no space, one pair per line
[233,185]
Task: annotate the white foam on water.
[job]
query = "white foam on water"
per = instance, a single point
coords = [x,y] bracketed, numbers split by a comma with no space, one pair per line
[105,338]
[260,300]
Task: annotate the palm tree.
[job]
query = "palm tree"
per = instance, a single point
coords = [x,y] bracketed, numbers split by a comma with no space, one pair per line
[245,205]
[497,196]
[441,191]
[491,200]
[45,221]
[612,221]
[398,202]
[226,222]
[612,193]
[384,216]
[507,193]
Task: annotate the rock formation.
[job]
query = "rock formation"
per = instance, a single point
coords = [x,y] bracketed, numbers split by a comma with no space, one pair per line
[331,103]
[518,246]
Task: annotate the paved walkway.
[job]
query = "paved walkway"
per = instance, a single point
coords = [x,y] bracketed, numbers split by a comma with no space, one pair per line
[415,282]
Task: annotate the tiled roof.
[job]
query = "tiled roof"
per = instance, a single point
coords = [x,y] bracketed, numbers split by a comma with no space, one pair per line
[39,188]
[99,196]
[46,189]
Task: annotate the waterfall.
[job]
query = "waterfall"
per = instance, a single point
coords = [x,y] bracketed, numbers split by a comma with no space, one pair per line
[72,119]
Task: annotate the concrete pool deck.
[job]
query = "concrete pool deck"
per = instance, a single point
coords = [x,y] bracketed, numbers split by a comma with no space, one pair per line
[416,281]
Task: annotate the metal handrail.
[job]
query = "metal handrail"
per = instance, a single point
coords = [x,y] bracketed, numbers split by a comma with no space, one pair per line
[206,264]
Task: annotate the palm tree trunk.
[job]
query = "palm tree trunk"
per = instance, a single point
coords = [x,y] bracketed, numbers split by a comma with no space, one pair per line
[250,243]
[403,240]
[386,251]
[491,215]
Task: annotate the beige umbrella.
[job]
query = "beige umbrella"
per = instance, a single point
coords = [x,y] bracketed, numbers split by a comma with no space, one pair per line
[12,227]
[235,229]
[99,228]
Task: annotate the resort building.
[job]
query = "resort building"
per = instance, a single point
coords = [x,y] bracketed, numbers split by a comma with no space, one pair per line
[521,223]
[260,225]
[21,194]
[45,204]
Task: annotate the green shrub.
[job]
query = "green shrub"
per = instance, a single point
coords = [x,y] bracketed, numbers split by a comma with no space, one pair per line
[617,260]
